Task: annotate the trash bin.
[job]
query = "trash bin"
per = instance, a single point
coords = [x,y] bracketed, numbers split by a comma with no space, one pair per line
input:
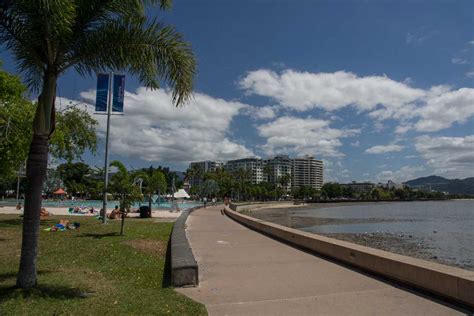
[145,212]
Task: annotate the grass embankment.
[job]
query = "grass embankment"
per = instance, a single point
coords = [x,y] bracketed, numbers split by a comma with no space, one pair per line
[92,270]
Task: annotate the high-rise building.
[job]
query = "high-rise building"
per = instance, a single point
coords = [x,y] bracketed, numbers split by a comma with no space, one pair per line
[300,171]
[206,166]
[307,171]
[203,167]
[277,168]
[253,166]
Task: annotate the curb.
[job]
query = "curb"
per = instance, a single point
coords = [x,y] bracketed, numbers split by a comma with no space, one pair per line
[184,268]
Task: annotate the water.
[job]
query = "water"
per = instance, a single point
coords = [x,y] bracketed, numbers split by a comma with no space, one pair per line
[98,204]
[446,228]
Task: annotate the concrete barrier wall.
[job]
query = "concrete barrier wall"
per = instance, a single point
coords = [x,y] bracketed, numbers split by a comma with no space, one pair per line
[184,268]
[452,283]
[240,207]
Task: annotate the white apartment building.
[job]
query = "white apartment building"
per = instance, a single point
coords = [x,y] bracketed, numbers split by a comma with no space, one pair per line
[302,171]
[307,171]
[278,167]
[204,166]
[254,166]
[207,165]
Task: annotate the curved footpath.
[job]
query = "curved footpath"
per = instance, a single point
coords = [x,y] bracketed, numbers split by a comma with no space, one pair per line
[244,272]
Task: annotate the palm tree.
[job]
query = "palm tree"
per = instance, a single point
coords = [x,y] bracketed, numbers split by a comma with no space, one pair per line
[49,37]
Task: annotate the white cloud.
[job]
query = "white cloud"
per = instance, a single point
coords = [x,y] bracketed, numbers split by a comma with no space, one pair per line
[448,156]
[404,174]
[381,97]
[382,149]
[443,110]
[459,61]
[402,129]
[303,136]
[355,144]
[152,129]
[261,113]
[330,91]
[470,74]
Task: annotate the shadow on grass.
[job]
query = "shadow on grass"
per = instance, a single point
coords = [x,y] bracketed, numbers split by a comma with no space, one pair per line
[167,268]
[11,222]
[40,291]
[12,275]
[99,235]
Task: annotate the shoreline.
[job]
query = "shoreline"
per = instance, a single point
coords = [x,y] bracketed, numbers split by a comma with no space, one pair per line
[406,245]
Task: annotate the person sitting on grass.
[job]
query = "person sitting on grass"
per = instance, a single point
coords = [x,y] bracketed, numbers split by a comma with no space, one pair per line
[44,213]
[116,213]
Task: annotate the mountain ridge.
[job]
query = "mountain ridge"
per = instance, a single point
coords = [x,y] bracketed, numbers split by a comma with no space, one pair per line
[441,184]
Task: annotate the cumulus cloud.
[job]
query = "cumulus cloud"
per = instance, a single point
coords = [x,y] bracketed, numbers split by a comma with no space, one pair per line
[152,129]
[382,149]
[443,110]
[403,174]
[303,136]
[402,129]
[379,96]
[448,156]
[330,91]
[261,113]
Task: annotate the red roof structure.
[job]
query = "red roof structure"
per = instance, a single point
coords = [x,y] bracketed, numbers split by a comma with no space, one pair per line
[59,191]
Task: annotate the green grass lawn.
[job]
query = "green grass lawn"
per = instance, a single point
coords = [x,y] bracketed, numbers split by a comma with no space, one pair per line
[92,270]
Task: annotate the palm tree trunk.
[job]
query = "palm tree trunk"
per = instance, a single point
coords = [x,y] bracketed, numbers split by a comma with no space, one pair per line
[123,223]
[35,173]
[36,165]
[149,203]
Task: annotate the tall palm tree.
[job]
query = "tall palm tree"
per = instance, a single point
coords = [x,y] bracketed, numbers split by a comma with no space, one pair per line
[48,37]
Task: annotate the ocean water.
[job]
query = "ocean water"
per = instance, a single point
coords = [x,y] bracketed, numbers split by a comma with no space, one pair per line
[445,228]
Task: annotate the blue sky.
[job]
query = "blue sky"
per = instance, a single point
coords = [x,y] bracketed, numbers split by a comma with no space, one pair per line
[377,89]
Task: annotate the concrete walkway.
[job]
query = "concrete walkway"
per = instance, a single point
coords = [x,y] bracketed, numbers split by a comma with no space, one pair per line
[245,273]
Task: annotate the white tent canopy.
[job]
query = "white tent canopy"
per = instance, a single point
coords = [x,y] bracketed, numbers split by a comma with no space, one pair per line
[181,194]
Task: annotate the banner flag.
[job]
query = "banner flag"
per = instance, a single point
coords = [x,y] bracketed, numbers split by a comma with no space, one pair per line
[102,92]
[118,92]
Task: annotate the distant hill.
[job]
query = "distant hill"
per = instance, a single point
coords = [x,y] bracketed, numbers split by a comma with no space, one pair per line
[437,183]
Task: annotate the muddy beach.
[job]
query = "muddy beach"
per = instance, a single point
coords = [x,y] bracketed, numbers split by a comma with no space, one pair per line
[403,243]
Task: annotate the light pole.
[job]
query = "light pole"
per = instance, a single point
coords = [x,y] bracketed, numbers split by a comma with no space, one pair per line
[106,160]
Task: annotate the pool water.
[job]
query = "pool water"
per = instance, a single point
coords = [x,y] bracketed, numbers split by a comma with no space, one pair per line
[98,203]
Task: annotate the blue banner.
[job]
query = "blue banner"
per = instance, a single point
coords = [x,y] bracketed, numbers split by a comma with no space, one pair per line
[119,92]
[102,92]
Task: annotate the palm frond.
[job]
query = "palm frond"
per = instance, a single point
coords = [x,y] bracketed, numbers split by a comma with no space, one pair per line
[149,50]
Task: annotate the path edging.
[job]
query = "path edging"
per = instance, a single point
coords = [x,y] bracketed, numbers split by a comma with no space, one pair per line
[184,268]
[452,283]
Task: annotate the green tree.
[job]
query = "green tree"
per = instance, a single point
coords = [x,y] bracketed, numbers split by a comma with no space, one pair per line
[74,134]
[16,115]
[284,181]
[49,37]
[121,184]
[154,181]
[209,188]
[76,177]
[332,190]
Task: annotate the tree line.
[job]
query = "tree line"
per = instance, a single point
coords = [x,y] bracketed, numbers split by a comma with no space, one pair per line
[237,185]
